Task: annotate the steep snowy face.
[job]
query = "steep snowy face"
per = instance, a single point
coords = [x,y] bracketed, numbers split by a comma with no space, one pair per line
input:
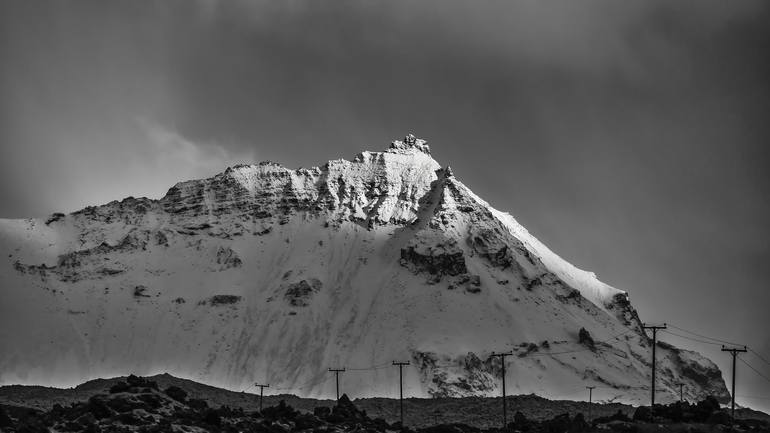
[266,273]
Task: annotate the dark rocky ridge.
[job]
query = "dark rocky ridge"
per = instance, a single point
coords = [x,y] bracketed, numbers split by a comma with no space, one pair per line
[140,405]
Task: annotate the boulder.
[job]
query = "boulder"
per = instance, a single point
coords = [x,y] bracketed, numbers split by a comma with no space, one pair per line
[322,412]
[281,411]
[176,393]
[197,404]
[558,424]
[98,408]
[345,410]
[643,414]
[584,337]
[720,417]
[5,420]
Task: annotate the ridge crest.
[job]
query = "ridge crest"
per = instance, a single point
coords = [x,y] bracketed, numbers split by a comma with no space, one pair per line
[410,142]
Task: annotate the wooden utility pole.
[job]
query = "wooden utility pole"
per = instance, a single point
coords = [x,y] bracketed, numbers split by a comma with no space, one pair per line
[337,372]
[502,362]
[401,365]
[436,414]
[590,400]
[261,392]
[734,352]
[681,393]
[655,329]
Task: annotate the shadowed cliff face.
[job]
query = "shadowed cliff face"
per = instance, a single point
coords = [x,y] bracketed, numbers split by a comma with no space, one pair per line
[262,271]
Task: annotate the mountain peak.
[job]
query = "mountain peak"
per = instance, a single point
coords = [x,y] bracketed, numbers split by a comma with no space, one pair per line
[410,143]
[268,272]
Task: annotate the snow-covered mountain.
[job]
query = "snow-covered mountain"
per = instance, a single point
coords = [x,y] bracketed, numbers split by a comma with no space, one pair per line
[263,273]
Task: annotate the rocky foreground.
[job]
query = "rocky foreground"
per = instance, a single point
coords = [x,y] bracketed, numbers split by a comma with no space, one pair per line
[140,405]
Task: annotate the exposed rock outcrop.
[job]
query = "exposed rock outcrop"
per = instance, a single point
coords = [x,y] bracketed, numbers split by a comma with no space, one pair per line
[435,256]
[228,258]
[299,294]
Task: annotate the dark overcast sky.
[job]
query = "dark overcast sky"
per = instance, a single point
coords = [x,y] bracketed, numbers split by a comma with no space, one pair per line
[629,136]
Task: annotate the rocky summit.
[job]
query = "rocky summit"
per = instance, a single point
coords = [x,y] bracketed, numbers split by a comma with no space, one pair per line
[265,273]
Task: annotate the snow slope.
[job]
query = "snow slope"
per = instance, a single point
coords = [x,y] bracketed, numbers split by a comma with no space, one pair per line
[262,273]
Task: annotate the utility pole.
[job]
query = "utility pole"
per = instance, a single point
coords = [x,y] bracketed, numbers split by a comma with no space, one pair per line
[502,362]
[401,365]
[590,400]
[436,414]
[261,392]
[681,393]
[337,372]
[734,352]
[654,343]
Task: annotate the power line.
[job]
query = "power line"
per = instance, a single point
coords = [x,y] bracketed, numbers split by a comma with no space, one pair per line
[620,334]
[759,356]
[693,339]
[755,370]
[305,384]
[754,352]
[581,350]
[617,335]
[315,377]
[705,336]
[373,367]
[558,353]
[313,381]
[751,397]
